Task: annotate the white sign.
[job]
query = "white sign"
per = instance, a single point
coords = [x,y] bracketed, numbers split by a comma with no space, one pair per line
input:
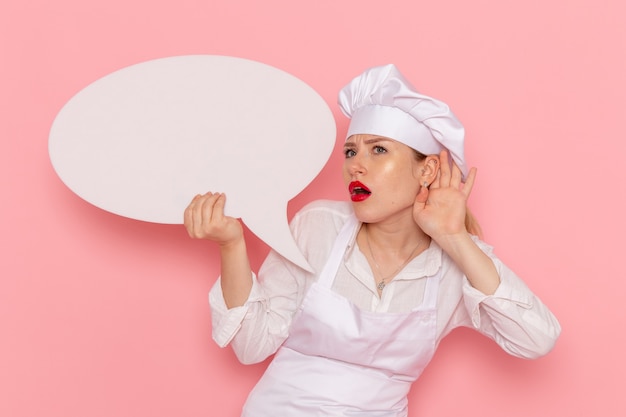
[142,141]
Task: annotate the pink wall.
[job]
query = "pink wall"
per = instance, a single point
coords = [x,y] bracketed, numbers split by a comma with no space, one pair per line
[105,316]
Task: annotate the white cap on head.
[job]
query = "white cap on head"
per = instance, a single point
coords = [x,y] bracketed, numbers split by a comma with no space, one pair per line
[382,102]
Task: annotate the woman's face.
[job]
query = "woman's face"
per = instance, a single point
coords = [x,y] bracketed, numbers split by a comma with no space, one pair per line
[382,177]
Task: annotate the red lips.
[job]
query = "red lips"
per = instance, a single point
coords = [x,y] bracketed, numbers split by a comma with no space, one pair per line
[358,191]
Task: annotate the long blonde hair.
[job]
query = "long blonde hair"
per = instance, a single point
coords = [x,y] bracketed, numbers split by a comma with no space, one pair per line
[471,224]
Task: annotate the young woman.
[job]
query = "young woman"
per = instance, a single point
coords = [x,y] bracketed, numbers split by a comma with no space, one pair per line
[397,268]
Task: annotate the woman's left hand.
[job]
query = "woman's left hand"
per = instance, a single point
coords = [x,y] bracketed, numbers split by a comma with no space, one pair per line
[439,210]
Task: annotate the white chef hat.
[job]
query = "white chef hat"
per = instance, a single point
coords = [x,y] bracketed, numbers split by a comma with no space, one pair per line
[382,102]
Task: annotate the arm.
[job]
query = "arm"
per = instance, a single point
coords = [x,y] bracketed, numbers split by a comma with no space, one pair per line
[440,211]
[204,219]
[513,315]
[250,313]
[496,301]
[238,302]
[256,329]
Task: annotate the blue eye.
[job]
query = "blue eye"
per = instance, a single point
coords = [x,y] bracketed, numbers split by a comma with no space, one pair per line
[349,153]
[379,149]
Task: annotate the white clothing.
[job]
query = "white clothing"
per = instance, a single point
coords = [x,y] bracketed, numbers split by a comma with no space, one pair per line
[340,360]
[513,316]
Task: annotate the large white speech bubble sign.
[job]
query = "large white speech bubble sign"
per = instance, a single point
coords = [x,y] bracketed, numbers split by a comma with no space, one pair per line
[142,141]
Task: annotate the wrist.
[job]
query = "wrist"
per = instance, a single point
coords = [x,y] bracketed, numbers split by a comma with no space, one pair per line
[452,241]
[232,244]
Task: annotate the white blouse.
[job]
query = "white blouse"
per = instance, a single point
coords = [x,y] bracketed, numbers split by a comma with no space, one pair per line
[513,316]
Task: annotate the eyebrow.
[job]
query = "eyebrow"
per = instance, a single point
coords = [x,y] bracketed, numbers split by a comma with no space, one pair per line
[369,141]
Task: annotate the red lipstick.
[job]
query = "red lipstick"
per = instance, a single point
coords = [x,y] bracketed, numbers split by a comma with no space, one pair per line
[358,191]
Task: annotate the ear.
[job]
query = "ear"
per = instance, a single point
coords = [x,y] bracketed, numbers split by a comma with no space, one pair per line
[429,169]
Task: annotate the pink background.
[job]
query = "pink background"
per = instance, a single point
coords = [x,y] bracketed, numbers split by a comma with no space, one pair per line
[105,316]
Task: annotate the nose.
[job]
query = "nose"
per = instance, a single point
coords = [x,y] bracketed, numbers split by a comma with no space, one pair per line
[355,165]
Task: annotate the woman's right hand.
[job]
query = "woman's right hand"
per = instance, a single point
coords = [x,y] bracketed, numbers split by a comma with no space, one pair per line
[205,219]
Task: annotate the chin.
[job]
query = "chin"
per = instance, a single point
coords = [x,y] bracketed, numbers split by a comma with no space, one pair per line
[375,214]
[365,214]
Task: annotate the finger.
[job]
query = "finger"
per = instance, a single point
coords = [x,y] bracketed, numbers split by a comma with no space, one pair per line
[469,182]
[218,208]
[422,194]
[193,202]
[456,176]
[188,214]
[187,217]
[444,169]
[187,221]
[202,212]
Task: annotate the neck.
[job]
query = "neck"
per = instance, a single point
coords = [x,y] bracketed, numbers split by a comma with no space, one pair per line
[389,262]
[396,237]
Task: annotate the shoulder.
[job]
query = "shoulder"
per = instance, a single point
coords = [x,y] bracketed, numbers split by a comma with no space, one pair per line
[317,224]
[334,208]
[323,213]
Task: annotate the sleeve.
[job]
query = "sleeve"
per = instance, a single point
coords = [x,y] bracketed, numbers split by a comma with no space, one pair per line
[513,316]
[256,329]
